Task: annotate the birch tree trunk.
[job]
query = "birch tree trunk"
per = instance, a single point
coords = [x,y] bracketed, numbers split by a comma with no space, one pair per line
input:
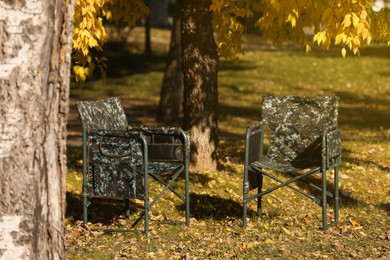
[35,41]
[200,68]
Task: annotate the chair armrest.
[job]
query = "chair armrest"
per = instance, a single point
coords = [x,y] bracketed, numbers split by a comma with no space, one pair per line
[331,146]
[254,143]
[160,130]
[113,133]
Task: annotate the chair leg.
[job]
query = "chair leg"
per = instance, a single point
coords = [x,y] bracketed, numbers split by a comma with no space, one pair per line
[244,213]
[336,195]
[324,224]
[85,208]
[146,206]
[127,206]
[259,190]
[187,194]
[244,197]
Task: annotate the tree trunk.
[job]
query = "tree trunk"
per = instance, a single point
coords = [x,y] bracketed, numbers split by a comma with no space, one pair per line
[200,68]
[148,41]
[35,39]
[171,96]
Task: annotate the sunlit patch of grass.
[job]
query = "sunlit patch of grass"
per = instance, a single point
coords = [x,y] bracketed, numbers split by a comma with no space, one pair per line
[290,226]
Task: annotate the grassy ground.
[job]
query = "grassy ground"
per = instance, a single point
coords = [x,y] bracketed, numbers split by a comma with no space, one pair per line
[289,227]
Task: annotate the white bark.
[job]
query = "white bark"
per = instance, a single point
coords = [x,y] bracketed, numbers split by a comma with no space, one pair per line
[35,39]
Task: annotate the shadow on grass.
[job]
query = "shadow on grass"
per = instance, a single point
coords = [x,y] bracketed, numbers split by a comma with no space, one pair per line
[385,206]
[205,206]
[358,111]
[360,161]
[101,210]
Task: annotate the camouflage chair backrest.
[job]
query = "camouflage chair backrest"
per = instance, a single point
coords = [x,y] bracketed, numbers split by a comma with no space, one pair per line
[106,114]
[296,124]
[115,164]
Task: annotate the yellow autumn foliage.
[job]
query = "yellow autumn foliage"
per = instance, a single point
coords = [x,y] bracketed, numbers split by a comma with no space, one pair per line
[89,34]
[350,24]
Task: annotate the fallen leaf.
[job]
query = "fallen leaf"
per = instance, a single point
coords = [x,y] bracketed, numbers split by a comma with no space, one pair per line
[286,231]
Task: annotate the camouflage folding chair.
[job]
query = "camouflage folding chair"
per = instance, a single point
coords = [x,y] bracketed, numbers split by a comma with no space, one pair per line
[304,140]
[119,160]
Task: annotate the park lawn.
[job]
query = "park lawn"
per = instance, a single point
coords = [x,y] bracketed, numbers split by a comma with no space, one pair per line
[290,226]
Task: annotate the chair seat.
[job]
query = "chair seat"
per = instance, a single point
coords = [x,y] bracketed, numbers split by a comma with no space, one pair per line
[285,166]
[163,168]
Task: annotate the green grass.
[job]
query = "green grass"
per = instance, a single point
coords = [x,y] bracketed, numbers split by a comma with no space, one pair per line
[290,225]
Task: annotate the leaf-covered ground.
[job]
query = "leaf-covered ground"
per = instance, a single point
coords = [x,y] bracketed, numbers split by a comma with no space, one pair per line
[290,226]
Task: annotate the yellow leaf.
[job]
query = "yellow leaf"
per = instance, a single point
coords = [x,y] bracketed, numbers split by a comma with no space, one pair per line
[363,14]
[291,18]
[308,48]
[250,245]
[293,21]
[360,28]
[355,20]
[286,231]
[354,223]
[92,42]
[228,190]
[343,52]
[355,49]
[319,37]
[79,72]
[369,38]
[108,15]
[365,33]
[339,38]
[269,241]
[347,20]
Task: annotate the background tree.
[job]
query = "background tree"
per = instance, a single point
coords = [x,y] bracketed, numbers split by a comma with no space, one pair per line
[200,69]
[35,40]
[148,39]
[171,97]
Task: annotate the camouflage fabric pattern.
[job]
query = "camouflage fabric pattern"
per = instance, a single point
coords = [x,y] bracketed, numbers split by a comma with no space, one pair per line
[102,114]
[115,165]
[296,126]
[163,168]
[158,130]
[114,150]
[114,157]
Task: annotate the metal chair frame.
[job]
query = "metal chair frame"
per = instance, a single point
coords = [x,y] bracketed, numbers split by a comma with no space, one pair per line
[152,166]
[253,172]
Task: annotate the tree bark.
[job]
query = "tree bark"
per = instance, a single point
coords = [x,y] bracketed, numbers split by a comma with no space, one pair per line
[200,68]
[148,40]
[171,96]
[35,39]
